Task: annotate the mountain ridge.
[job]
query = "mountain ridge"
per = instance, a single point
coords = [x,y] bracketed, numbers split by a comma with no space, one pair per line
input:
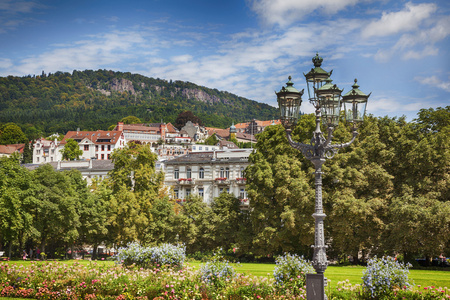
[93,100]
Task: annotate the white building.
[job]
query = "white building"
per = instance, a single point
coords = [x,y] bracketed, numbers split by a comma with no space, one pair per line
[45,151]
[96,144]
[208,174]
[151,133]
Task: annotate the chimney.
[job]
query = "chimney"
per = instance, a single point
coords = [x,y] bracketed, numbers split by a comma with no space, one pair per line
[119,126]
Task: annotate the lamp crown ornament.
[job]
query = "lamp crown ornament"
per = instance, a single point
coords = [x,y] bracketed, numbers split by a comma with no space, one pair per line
[317,60]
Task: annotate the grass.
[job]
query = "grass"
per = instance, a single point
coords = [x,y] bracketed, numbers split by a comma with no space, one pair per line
[437,278]
[335,274]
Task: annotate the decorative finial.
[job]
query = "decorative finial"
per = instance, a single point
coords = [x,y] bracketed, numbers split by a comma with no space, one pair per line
[317,60]
[355,85]
[289,83]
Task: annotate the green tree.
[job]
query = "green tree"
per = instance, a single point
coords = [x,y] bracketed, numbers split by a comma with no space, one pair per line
[135,186]
[227,220]
[184,117]
[27,156]
[55,217]
[71,150]
[358,188]
[10,133]
[212,140]
[16,198]
[131,120]
[281,198]
[194,225]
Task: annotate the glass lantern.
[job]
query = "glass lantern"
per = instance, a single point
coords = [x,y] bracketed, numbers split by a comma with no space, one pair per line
[289,101]
[329,96]
[355,103]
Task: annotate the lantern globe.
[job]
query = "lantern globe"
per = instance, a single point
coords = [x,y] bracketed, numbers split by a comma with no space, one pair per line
[355,103]
[316,77]
[289,101]
[329,98]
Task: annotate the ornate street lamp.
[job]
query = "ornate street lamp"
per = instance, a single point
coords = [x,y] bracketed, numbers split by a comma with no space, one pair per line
[326,98]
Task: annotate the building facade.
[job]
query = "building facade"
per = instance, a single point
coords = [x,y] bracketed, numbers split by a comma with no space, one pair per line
[207,174]
[45,151]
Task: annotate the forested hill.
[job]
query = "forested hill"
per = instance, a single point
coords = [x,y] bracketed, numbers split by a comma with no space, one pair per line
[92,100]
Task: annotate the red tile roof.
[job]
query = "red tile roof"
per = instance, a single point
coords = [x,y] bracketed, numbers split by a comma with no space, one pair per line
[10,149]
[97,137]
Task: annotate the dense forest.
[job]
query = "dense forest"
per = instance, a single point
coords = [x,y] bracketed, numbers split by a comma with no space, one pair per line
[91,100]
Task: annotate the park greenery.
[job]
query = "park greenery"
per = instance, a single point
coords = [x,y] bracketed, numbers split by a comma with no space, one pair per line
[386,194]
[91,100]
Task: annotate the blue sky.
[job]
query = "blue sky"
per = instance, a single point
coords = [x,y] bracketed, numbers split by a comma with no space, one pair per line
[398,50]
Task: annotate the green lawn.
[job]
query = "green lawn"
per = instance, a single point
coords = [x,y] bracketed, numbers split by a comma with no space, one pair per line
[333,273]
[353,273]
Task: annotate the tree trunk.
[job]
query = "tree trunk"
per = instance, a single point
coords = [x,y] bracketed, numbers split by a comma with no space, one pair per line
[94,251]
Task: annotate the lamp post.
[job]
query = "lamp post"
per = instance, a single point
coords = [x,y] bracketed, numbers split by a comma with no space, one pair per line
[326,98]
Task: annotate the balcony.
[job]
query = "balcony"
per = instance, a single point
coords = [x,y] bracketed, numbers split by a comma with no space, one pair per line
[244,202]
[222,180]
[186,181]
[241,180]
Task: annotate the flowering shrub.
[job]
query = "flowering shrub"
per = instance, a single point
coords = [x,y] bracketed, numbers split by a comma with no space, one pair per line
[383,275]
[291,270]
[150,257]
[217,271]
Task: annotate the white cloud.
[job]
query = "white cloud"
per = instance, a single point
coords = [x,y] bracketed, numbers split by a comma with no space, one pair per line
[86,54]
[383,105]
[5,63]
[17,6]
[427,51]
[285,12]
[182,58]
[408,19]
[439,31]
[434,81]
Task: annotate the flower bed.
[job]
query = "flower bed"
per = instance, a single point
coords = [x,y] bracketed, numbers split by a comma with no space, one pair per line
[57,280]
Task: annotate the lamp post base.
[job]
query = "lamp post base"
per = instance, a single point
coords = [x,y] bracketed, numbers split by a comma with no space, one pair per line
[315,287]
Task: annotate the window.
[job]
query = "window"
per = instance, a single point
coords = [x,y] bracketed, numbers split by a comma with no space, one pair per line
[222,172]
[37,159]
[242,194]
[201,173]
[96,147]
[86,147]
[227,173]
[188,173]
[38,151]
[188,193]
[176,194]
[53,151]
[200,148]
[109,147]
[109,156]
[103,147]
[103,156]
[242,172]
[176,174]
[200,192]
